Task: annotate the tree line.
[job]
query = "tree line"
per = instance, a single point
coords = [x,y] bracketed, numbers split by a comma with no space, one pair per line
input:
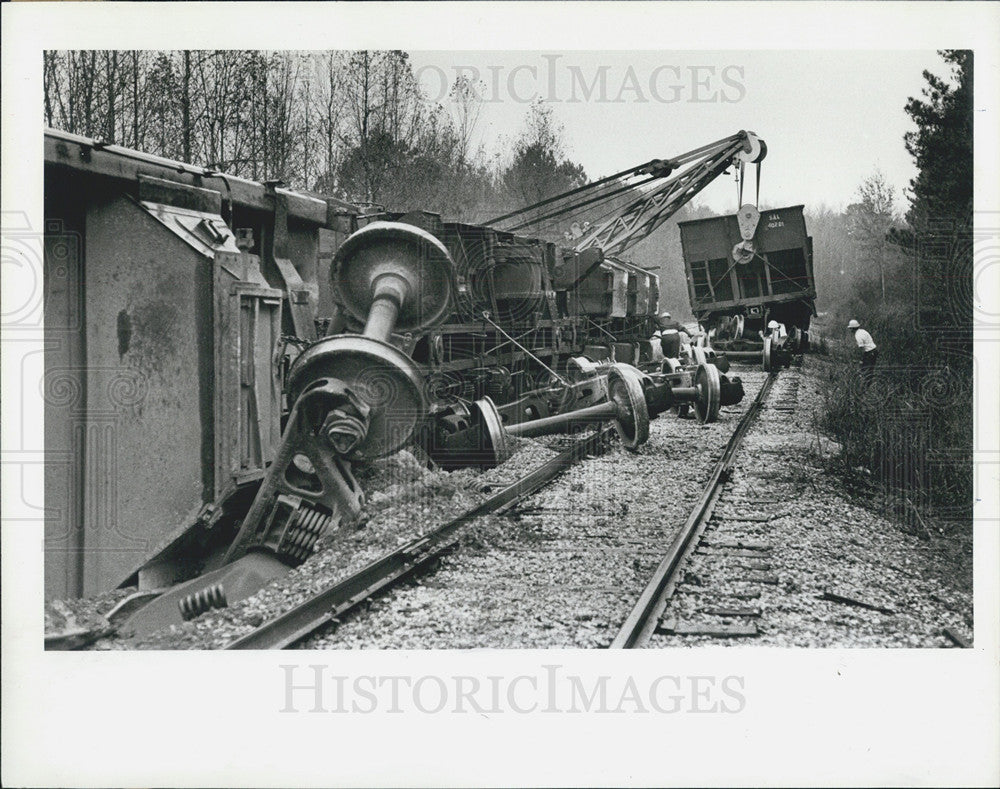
[870,257]
[355,125]
[908,279]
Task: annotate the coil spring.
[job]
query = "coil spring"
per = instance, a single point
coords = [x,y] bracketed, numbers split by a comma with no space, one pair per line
[300,540]
[496,388]
[203,600]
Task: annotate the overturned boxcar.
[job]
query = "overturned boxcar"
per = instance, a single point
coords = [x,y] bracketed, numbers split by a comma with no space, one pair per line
[171,292]
[739,281]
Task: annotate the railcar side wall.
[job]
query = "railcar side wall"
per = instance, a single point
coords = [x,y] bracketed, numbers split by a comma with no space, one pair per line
[780,273]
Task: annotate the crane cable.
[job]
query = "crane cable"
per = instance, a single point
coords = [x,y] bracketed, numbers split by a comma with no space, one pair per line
[563,196]
[578,205]
[655,169]
[739,185]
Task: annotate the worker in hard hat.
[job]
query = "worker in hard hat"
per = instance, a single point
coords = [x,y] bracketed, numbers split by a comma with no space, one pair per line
[665,321]
[869,351]
[776,331]
[670,335]
[779,337]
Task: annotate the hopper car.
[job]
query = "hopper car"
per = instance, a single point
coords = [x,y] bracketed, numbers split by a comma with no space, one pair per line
[746,273]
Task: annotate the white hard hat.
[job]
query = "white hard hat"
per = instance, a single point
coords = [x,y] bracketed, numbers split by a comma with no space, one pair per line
[772,325]
[664,314]
[853,324]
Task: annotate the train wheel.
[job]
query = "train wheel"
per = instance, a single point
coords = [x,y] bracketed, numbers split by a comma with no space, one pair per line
[468,437]
[709,393]
[625,391]
[490,447]
[405,252]
[767,360]
[794,343]
[380,375]
[670,365]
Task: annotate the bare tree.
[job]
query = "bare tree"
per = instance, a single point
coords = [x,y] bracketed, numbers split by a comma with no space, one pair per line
[354,124]
[870,220]
[468,106]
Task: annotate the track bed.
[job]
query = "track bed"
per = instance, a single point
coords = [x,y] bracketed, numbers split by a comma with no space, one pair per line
[563,567]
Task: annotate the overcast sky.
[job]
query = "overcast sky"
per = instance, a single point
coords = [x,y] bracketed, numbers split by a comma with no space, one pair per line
[829,117]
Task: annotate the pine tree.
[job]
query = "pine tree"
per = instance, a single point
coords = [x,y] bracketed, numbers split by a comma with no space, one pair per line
[940,212]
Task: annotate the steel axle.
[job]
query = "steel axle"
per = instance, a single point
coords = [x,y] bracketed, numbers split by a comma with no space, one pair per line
[485,443]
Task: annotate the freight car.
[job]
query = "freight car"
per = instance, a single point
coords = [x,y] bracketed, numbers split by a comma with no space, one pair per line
[522,310]
[746,270]
[175,299]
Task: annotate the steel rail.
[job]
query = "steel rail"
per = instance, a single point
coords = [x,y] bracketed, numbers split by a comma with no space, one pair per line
[304,619]
[642,619]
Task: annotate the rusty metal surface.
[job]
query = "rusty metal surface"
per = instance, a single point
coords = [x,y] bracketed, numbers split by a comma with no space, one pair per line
[146,414]
[159,386]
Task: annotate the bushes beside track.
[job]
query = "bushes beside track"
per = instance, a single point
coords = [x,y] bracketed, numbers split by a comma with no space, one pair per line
[910,431]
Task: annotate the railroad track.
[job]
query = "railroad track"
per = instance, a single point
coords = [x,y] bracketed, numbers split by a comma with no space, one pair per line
[645,616]
[348,594]
[576,544]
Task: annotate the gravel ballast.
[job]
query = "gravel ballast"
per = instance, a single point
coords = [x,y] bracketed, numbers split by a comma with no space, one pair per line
[564,567]
[826,569]
[404,500]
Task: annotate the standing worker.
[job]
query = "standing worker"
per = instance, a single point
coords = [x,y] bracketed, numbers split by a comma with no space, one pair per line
[777,331]
[869,351]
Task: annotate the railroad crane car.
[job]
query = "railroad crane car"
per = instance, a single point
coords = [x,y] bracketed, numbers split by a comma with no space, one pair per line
[746,270]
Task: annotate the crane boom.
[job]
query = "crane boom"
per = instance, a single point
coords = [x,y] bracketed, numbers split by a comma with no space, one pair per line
[664,186]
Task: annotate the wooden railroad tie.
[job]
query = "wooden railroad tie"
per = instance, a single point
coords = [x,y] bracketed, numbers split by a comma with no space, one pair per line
[841,596]
[727,612]
[735,630]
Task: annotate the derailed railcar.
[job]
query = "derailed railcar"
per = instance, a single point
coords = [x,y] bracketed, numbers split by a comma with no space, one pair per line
[522,308]
[170,294]
[219,351]
[741,280]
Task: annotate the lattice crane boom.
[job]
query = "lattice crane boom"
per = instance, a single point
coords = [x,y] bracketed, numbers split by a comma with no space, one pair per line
[663,186]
